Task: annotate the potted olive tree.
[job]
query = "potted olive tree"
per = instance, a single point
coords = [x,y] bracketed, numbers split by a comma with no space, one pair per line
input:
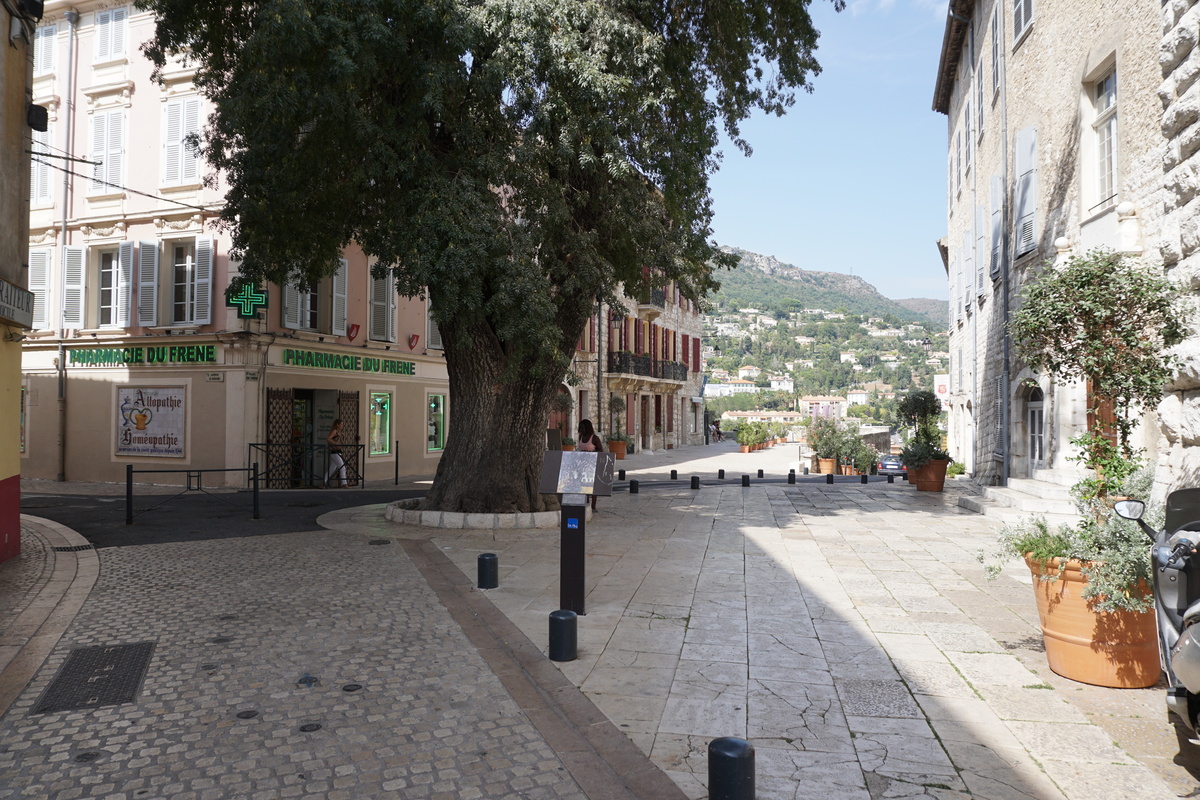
[617,442]
[1102,318]
[923,455]
[827,440]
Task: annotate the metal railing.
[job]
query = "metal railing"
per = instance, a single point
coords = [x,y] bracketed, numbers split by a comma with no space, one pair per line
[195,483]
[653,297]
[300,466]
[630,364]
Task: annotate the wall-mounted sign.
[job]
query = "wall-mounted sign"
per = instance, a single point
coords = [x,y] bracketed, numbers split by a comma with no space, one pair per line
[16,304]
[151,420]
[348,363]
[126,356]
[248,298]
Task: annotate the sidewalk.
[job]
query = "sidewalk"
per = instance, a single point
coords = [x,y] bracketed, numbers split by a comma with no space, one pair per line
[846,630]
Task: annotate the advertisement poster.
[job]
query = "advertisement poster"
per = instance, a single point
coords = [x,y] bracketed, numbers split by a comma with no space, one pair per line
[151,421]
[941,387]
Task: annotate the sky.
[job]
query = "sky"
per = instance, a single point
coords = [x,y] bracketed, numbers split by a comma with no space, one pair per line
[853,178]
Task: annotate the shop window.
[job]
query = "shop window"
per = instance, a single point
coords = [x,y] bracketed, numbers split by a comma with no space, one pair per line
[380,424]
[436,423]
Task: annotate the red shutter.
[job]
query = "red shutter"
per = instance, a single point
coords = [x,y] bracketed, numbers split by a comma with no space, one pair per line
[592,325]
[696,353]
[670,417]
[687,350]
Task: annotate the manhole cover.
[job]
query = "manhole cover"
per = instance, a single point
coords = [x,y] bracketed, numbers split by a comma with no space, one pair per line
[351,687]
[308,680]
[88,757]
[380,541]
[309,727]
[92,677]
[247,714]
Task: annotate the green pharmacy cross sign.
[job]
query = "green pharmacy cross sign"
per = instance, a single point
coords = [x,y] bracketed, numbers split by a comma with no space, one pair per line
[248,299]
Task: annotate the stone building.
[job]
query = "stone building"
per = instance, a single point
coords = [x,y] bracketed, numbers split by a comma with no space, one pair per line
[1053,148]
[1179,246]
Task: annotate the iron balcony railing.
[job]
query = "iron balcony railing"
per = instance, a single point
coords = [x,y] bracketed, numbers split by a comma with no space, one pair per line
[654,297]
[630,364]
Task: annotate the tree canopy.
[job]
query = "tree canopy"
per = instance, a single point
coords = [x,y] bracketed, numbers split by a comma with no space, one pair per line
[517,160]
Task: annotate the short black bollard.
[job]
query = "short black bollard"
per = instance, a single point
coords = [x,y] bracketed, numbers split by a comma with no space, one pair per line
[863,478]
[829,478]
[620,474]
[730,769]
[806,470]
[792,476]
[488,569]
[891,478]
[674,474]
[791,472]
[563,636]
[633,487]
[720,474]
[745,480]
[695,481]
[760,473]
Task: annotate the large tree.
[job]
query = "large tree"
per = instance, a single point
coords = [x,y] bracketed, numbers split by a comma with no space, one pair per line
[518,160]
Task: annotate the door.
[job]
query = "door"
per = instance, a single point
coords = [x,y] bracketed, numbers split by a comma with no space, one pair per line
[1037,429]
[303,463]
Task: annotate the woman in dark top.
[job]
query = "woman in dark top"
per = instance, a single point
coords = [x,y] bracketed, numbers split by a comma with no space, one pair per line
[589,442]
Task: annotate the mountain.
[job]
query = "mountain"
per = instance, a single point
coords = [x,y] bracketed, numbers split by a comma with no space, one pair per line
[766,283]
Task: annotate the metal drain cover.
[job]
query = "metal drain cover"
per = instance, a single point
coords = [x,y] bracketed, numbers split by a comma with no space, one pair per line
[92,677]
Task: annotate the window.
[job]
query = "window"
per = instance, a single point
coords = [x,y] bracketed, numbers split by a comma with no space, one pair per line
[967,133]
[382,326]
[318,308]
[433,337]
[435,423]
[379,432]
[997,238]
[108,151]
[114,280]
[979,99]
[958,162]
[43,50]
[301,308]
[39,175]
[1104,140]
[110,33]
[190,270]
[39,284]
[181,160]
[1022,17]
[996,50]
[1025,196]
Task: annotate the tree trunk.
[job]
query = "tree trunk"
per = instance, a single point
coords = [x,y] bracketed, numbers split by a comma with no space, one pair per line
[497,430]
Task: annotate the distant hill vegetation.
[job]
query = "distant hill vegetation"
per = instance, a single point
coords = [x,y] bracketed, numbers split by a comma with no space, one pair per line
[765,283]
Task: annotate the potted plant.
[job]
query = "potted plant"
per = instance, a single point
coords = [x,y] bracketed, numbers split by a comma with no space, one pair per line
[826,438]
[617,442]
[923,455]
[864,457]
[1101,318]
[568,444]
[745,437]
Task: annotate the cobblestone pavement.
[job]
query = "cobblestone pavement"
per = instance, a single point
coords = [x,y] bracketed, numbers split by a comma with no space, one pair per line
[240,626]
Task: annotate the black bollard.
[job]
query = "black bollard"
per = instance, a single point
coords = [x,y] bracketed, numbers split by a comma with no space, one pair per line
[863,478]
[563,636]
[891,478]
[489,571]
[792,476]
[620,474]
[674,474]
[633,487]
[730,769]
[760,473]
[720,474]
[829,478]
[745,480]
[695,481]
[806,470]
[791,472]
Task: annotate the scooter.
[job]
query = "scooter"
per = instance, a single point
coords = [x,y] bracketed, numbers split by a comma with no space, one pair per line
[1176,596]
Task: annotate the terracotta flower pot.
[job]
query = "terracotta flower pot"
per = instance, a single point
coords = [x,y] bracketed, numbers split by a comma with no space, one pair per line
[828,466]
[568,448]
[617,448]
[1118,649]
[932,476]
[745,448]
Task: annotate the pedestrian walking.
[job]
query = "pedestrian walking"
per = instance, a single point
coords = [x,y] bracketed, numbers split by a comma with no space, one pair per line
[337,463]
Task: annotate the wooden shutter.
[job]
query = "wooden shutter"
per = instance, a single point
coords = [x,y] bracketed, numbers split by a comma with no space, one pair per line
[998,446]
[1026,191]
[967,254]
[340,280]
[981,249]
[43,49]
[147,292]
[173,142]
[124,284]
[291,305]
[39,284]
[687,347]
[189,158]
[383,302]
[73,287]
[696,353]
[204,280]
[1022,14]
[997,243]
[433,340]
[115,154]
[103,34]
[99,150]
[39,177]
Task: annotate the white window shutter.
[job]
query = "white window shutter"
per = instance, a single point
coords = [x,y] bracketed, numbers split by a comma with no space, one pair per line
[173,143]
[979,99]
[99,149]
[39,284]
[43,49]
[1026,193]
[116,149]
[73,287]
[981,249]
[997,244]
[189,158]
[204,280]
[968,132]
[39,177]
[433,338]
[291,305]
[103,35]
[124,283]
[383,309]
[117,34]
[958,286]
[340,281]
[147,291]
[967,255]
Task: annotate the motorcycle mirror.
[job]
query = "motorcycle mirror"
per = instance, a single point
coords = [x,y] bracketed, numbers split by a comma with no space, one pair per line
[1129,509]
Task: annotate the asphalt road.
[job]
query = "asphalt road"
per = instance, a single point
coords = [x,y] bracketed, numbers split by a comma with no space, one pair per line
[196,516]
